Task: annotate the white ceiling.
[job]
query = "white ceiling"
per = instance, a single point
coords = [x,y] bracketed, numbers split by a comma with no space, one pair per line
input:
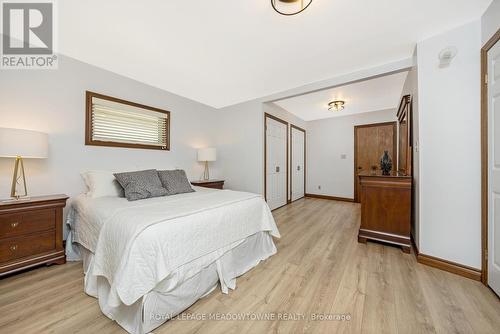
[365,96]
[224,52]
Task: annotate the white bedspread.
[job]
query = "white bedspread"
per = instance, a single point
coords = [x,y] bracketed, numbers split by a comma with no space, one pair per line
[87,215]
[134,257]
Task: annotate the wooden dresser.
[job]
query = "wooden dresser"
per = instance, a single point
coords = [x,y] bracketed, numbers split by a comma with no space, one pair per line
[215,184]
[386,208]
[31,233]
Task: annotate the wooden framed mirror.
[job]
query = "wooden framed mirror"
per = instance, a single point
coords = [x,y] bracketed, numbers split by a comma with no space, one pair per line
[404,136]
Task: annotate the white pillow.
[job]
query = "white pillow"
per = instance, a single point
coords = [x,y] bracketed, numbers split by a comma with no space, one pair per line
[101,184]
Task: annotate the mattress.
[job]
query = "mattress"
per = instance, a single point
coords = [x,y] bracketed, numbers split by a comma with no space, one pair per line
[231,233]
[167,300]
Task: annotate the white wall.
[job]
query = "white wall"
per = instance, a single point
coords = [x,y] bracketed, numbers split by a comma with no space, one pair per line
[53,101]
[490,22]
[240,144]
[327,140]
[450,160]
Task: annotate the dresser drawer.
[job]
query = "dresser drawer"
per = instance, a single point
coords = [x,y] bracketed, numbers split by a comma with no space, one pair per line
[17,224]
[15,248]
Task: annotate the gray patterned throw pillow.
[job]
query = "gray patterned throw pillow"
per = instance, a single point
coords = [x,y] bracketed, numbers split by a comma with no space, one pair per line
[141,184]
[175,181]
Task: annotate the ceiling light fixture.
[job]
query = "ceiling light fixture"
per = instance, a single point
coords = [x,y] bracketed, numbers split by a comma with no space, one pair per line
[336,105]
[290,7]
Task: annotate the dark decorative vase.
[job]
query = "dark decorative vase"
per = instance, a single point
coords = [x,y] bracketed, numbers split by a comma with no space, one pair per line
[386,164]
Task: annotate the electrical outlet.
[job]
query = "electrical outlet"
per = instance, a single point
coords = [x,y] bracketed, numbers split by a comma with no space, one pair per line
[343,156]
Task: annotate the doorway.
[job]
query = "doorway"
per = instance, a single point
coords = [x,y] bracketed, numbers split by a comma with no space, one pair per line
[370,142]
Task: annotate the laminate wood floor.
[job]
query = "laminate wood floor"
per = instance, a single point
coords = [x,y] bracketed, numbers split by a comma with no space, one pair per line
[320,273]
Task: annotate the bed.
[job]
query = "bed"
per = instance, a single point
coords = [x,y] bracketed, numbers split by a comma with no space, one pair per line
[146,261]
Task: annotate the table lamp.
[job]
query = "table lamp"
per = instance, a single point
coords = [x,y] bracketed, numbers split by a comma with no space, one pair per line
[19,144]
[205,155]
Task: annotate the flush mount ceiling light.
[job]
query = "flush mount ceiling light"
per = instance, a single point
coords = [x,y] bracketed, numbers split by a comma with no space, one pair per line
[290,7]
[336,105]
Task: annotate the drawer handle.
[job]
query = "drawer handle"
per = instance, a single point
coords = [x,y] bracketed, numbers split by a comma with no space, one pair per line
[13,248]
[14,225]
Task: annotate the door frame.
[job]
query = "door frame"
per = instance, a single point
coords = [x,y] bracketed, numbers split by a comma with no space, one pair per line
[292,126]
[484,155]
[394,151]
[266,116]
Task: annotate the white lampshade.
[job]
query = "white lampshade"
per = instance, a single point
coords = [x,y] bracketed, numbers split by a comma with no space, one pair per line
[207,154]
[23,143]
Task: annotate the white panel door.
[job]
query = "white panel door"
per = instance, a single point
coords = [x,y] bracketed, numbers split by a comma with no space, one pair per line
[494,168]
[297,164]
[276,148]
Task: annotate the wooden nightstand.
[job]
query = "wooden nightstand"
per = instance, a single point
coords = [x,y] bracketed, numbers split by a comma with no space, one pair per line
[31,233]
[215,184]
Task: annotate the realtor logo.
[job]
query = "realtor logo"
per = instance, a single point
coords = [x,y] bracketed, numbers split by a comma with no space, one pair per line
[28,35]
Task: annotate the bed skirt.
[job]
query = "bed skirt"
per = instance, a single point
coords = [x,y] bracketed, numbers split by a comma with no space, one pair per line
[168,298]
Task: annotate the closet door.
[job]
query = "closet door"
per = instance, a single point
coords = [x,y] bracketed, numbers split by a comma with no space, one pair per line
[297,166]
[276,162]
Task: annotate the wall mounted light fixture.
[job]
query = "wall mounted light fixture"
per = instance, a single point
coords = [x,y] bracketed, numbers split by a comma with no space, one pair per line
[336,105]
[290,7]
[446,56]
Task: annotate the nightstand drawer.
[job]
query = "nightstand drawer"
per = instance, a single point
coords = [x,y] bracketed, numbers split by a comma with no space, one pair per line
[15,248]
[17,224]
[214,184]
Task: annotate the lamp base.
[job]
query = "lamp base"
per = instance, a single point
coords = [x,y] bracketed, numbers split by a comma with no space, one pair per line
[19,178]
[206,173]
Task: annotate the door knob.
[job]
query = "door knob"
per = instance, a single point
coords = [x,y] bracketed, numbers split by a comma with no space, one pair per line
[359,167]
